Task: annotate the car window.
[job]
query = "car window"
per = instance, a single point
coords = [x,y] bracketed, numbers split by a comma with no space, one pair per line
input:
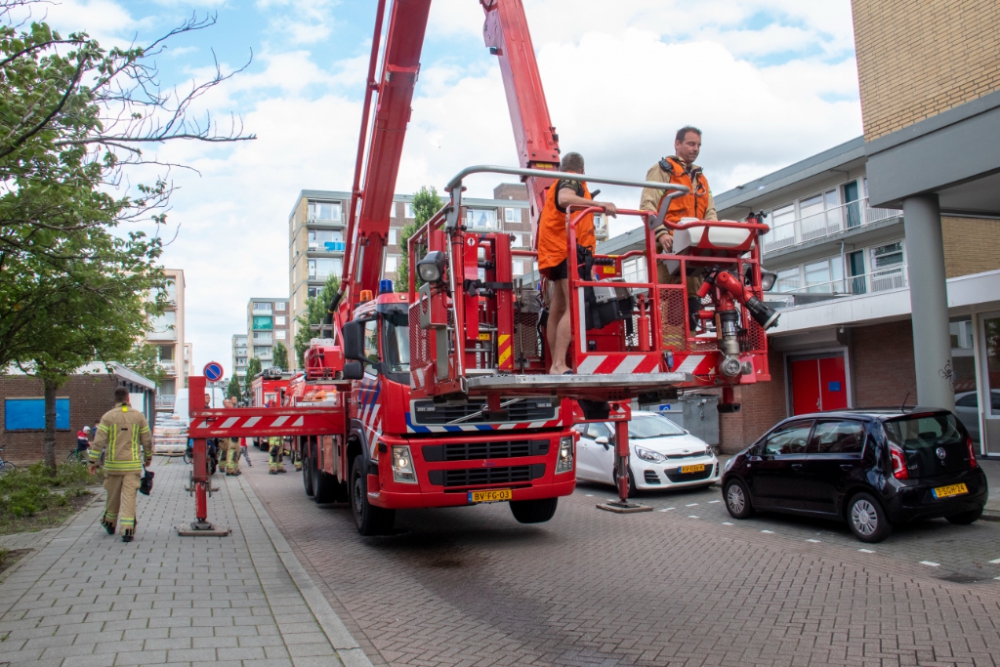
[970,401]
[788,439]
[580,428]
[837,437]
[919,432]
[599,430]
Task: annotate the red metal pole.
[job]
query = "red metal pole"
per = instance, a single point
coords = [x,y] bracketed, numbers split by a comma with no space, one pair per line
[200,480]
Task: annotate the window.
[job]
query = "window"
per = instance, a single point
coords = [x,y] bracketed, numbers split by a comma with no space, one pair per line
[166,352]
[787,281]
[392,237]
[480,218]
[887,264]
[280,335]
[280,306]
[634,270]
[325,211]
[391,262]
[279,320]
[321,269]
[515,241]
[396,338]
[312,292]
[28,414]
[782,227]
[163,326]
[518,267]
[408,212]
[262,337]
[262,322]
[600,227]
[512,215]
[262,351]
[371,345]
[261,307]
[826,276]
[837,437]
[599,430]
[788,439]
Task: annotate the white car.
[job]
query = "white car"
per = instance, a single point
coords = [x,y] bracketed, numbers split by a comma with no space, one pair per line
[663,456]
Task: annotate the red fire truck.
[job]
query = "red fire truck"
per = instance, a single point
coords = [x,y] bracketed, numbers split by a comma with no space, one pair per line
[439,396]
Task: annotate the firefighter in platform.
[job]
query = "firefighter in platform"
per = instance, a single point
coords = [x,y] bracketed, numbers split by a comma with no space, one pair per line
[553,252]
[125,434]
[276,463]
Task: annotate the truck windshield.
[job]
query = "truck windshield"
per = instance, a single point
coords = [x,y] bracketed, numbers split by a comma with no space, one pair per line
[396,339]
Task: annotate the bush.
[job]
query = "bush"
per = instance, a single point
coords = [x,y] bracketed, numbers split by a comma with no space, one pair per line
[25,492]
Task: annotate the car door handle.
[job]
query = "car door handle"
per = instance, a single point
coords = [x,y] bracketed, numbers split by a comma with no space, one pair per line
[846,466]
[796,466]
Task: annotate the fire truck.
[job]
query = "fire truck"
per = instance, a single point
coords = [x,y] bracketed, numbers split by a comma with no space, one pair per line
[438,396]
[270,388]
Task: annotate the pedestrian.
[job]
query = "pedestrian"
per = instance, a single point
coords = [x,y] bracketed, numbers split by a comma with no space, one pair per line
[125,434]
[276,462]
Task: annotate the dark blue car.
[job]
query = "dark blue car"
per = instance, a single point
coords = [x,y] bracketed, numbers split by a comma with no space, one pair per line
[871,468]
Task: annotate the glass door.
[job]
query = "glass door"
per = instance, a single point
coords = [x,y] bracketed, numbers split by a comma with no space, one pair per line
[990,348]
[853,205]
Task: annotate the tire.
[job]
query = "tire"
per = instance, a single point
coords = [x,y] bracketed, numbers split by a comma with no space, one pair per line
[370,520]
[965,518]
[632,490]
[534,511]
[307,477]
[737,499]
[324,486]
[867,519]
[187,457]
[8,466]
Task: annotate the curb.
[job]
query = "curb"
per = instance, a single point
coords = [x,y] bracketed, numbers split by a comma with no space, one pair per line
[340,638]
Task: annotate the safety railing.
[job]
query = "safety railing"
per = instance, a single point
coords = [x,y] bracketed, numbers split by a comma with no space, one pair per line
[880,280]
[852,215]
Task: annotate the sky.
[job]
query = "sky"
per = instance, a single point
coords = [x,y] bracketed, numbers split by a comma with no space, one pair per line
[769,82]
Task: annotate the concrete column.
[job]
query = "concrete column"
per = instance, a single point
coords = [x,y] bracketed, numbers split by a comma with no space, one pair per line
[929,301]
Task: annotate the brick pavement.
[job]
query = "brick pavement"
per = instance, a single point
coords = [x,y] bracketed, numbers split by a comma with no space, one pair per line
[471,587]
[85,598]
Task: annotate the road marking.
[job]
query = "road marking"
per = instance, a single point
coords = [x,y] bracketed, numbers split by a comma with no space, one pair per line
[712,502]
[589,495]
[726,523]
[692,505]
[814,541]
[769,532]
[930,563]
[692,516]
[866,551]
[995,562]
[668,509]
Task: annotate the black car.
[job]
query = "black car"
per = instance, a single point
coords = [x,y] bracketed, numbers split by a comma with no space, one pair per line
[871,468]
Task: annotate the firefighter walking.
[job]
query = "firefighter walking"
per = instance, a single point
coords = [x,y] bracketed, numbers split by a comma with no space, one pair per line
[229,449]
[276,463]
[125,434]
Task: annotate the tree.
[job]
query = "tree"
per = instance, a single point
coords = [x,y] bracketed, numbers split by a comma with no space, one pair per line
[425,204]
[316,312]
[144,359]
[233,390]
[73,119]
[280,354]
[253,367]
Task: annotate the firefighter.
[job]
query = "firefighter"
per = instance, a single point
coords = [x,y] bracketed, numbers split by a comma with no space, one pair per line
[276,463]
[230,449]
[296,456]
[553,262]
[125,434]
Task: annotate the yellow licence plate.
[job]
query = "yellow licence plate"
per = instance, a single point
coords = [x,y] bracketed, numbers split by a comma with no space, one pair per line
[951,490]
[491,496]
[697,468]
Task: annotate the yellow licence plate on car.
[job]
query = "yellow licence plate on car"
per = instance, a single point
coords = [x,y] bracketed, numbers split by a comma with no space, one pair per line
[951,490]
[491,496]
[697,468]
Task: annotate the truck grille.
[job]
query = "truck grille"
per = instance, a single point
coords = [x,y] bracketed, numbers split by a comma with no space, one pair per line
[440,414]
[486,476]
[503,449]
[691,476]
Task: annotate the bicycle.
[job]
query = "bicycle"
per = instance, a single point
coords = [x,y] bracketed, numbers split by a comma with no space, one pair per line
[78,456]
[5,465]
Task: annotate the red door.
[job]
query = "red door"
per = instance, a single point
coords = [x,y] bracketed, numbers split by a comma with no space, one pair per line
[818,384]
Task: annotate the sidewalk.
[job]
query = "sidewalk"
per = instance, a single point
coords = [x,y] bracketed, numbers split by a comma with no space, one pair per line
[84,598]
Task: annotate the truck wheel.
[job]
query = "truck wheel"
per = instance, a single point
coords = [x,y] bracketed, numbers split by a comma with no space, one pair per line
[370,520]
[324,486]
[307,478]
[534,511]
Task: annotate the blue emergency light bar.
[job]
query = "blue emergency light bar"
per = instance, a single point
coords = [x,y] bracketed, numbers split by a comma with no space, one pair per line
[385,286]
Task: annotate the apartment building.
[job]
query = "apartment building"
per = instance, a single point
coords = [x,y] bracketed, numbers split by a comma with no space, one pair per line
[239,356]
[317,225]
[268,323]
[167,335]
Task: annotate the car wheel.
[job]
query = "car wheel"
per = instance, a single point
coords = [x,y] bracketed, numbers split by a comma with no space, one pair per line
[867,519]
[632,490]
[965,518]
[737,499]
[370,520]
[534,511]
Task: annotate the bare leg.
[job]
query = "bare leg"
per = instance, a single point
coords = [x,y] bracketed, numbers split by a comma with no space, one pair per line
[559,332]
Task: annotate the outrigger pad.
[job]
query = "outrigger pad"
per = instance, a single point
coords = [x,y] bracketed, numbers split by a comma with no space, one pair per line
[594,409]
[618,507]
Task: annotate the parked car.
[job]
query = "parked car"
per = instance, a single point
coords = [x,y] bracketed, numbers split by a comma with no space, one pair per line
[967,409]
[663,455]
[870,468]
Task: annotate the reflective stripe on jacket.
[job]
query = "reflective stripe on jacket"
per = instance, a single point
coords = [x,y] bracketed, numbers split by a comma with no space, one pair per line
[125,434]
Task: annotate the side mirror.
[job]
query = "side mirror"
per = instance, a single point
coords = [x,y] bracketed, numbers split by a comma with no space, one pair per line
[353,370]
[354,341]
[603,440]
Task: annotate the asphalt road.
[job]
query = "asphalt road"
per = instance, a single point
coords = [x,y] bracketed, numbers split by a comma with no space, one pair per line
[682,585]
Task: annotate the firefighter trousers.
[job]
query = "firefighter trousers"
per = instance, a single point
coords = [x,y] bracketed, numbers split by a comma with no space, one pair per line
[120,506]
[277,458]
[230,456]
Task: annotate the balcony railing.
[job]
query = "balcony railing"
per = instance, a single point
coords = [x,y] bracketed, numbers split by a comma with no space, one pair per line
[853,215]
[165,400]
[881,280]
[169,334]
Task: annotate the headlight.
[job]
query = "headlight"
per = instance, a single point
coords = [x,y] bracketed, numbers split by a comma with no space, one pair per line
[649,455]
[402,465]
[565,461]
[729,463]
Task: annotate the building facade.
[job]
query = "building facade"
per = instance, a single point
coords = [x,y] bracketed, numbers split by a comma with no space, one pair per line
[167,336]
[268,323]
[240,355]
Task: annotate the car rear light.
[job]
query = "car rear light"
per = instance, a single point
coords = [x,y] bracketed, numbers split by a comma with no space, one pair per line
[972,452]
[898,462]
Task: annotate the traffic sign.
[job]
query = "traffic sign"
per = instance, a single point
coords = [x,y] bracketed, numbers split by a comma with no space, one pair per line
[213,371]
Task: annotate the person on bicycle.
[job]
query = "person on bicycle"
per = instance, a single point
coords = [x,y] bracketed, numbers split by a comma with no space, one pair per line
[82,441]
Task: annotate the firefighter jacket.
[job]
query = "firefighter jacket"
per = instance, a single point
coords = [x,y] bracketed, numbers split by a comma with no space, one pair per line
[553,228]
[125,434]
[698,203]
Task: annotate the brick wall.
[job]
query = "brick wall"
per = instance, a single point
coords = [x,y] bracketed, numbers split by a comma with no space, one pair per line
[917,58]
[763,405]
[517,191]
[90,396]
[971,245]
[882,367]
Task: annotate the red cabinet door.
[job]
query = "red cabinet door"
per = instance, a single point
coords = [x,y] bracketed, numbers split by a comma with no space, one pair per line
[805,386]
[832,383]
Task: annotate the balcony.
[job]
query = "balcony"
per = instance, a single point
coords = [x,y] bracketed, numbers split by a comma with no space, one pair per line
[331,222]
[882,280]
[852,216]
[165,401]
[169,334]
[263,340]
